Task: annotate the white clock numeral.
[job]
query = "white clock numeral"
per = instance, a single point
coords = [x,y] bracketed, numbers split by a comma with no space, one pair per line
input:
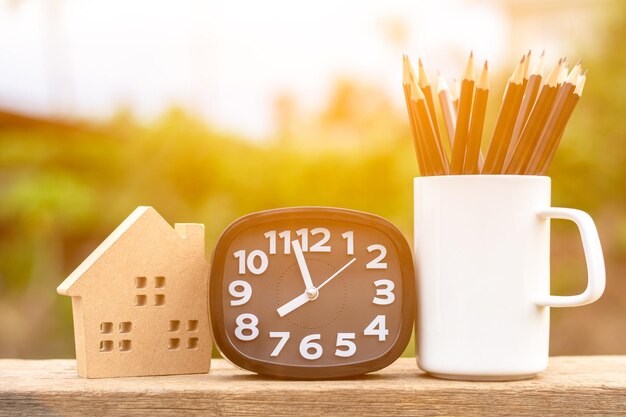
[376,262]
[247,321]
[284,336]
[271,235]
[250,261]
[349,237]
[386,292]
[321,245]
[303,234]
[343,339]
[307,344]
[286,236]
[243,295]
[304,237]
[377,328]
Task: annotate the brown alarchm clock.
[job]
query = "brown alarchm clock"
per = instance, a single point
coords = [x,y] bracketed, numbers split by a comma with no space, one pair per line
[312,293]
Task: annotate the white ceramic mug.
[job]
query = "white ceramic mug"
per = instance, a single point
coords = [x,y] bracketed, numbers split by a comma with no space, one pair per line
[482,257]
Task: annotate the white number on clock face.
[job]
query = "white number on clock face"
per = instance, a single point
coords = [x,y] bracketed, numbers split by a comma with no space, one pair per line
[303,234]
[345,340]
[251,260]
[311,350]
[321,245]
[284,336]
[349,237]
[246,327]
[384,295]
[376,262]
[377,328]
[244,294]
[307,345]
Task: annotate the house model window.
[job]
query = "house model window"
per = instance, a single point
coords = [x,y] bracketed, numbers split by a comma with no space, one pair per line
[189,333]
[110,334]
[146,292]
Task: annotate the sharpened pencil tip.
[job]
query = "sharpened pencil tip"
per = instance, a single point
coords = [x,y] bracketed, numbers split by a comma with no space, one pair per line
[518,74]
[442,85]
[405,71]
[416,92]
[573,75]
[483,81]
[552,78]
[423,80]
[456,89]
[580,84]
[468,74]
[562,75]
[526,65]
[538,69]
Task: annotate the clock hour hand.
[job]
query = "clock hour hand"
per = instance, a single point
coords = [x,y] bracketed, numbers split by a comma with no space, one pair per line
[293,304]
[309,295]
[304,269]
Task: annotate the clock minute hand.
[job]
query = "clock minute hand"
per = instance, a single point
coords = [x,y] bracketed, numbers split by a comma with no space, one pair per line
[304,269]
[336,273]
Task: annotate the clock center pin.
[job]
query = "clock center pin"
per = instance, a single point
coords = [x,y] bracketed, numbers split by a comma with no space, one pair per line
[312,293]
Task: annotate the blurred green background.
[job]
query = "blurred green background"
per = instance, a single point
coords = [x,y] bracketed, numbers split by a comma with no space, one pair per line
[67,181]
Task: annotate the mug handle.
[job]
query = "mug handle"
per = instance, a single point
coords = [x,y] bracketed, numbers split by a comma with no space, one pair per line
[596,275]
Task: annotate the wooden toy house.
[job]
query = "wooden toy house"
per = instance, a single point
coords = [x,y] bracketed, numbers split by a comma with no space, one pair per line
[140,301]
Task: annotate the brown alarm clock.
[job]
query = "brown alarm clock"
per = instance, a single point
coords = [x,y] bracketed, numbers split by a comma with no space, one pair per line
[312,293]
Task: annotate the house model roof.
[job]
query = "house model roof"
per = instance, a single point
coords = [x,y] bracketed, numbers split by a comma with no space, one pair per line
[146,212]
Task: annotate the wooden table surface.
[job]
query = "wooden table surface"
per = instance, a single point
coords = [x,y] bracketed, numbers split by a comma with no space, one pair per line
[591,385]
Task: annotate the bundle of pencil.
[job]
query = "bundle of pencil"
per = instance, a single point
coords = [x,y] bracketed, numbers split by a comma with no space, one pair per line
[529,127]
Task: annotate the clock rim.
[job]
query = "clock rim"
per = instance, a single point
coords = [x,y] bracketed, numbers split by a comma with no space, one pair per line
[407,270]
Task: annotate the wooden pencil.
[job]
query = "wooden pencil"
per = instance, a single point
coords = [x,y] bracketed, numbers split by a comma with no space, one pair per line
[505,122]
[526,69]
[530,95]
[568,109]
[536,120]
[461,130]
[425,86]
[479,108]
[563,74]
[456,92]
[434,151]
[407,75]
[548,137]
[447,108]
[532,119]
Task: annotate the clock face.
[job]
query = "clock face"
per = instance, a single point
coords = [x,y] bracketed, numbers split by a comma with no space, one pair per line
[312,293]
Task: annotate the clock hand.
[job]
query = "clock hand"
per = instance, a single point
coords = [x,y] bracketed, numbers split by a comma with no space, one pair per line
[293,304]
[336,273]
[304,270]
[309,295]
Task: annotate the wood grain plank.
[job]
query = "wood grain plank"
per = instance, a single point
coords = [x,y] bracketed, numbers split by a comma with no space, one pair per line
[594,385]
